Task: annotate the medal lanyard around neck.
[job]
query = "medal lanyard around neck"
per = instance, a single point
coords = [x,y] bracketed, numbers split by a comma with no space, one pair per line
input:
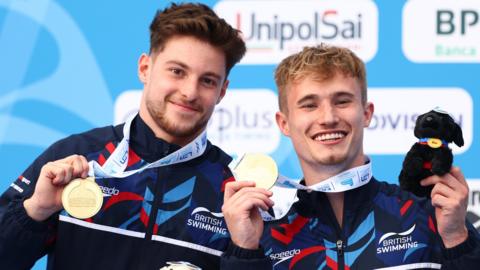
[347,180]
[115,165]
[285,189]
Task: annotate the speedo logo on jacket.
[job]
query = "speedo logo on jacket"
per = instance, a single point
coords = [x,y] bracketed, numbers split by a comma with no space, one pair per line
[283,256]
[109,191]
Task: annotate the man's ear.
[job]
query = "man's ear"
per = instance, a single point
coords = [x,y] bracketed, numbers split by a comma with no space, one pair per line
[144,68]
[368,113]
[458,135]
[282,123]
[223,91]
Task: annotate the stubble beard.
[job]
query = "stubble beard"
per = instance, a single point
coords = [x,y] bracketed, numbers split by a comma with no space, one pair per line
[182,129]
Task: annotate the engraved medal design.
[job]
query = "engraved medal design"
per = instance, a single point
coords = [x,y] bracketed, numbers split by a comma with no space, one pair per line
[82,198]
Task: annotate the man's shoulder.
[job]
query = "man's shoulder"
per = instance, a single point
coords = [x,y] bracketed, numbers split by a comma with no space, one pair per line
[87,143]
[92,140]
[104,133]
[395,192]
[216,154]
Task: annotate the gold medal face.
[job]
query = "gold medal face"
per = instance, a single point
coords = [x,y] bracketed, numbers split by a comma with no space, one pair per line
[82,198]
[434,143]
[259,168]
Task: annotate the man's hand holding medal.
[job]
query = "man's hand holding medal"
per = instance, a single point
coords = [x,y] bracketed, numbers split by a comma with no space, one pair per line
[64,184]
[254,174]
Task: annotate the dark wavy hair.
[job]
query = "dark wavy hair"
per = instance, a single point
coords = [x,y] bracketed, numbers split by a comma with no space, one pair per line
[199,21]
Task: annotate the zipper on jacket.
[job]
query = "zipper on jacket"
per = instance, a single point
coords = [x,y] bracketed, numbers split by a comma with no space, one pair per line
[340,254]
[339,235]
[158,197]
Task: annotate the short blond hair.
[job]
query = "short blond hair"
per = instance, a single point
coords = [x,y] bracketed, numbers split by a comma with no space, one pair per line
[322,62]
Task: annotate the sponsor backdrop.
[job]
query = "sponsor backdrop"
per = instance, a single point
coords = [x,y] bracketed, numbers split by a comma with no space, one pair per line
[69,66]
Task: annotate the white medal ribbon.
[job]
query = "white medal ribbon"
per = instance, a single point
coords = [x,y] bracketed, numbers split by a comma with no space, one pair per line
[347,180]
[115,165]
[285,189]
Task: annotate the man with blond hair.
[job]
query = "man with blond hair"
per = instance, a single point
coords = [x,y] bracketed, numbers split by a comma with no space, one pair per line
[365,223]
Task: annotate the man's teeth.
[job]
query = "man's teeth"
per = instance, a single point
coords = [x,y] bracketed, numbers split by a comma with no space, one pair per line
[329,136]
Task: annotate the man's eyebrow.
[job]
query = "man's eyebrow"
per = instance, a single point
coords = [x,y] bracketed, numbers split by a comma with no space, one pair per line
[213,74]
[344,93]
[185,66]
[310,97]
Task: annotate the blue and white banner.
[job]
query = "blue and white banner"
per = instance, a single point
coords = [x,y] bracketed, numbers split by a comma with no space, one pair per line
[70,66]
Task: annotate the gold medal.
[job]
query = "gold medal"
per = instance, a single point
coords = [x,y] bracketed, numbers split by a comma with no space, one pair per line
[259,168]
[434,143]
[82,198]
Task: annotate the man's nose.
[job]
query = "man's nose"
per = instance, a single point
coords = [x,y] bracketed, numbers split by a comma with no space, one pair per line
[189,89]
[328,115]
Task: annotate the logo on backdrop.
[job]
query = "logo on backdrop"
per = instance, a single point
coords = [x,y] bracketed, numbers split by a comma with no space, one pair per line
[441,31]
[243,122]
[391,128]
[473,211]
[273,30]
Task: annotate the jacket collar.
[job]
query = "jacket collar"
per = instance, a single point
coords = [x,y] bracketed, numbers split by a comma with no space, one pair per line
[315,203]
[146,145]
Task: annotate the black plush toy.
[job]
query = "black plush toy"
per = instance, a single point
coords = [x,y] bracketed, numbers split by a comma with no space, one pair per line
[431,154]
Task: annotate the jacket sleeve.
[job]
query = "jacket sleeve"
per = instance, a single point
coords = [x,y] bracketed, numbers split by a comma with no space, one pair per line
[23,240]
[239,258]
[466,255]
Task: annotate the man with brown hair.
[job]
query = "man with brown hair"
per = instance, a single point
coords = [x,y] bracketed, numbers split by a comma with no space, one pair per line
[343,218]
[161,179]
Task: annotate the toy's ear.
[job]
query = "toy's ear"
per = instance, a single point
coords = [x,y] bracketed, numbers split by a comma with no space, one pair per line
[458,135]
[416,130]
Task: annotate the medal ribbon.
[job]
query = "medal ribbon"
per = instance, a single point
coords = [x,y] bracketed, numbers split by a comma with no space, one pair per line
[115,165]
[347,180]
[285,189]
